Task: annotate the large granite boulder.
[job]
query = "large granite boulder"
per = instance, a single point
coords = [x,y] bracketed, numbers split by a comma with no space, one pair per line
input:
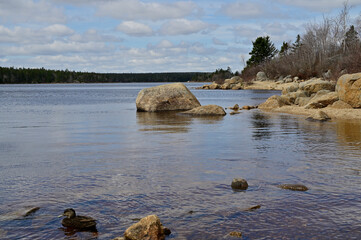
[261,76]
[207,110]
[322,100]
[314,85]
[348,88]
[273,102]
[148,228]
[175,96]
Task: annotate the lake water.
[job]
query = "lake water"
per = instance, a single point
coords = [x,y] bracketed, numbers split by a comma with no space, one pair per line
[85,146]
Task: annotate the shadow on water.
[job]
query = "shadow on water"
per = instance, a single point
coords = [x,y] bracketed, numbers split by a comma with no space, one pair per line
[171,122]
[261,126]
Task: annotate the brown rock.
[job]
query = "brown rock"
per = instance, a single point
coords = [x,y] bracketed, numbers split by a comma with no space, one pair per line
[235,234]
[293,187]
[341,105]
[239,183]
[319,116]
[175,96]
[214,86]
[148,228]
[273,102]
[348,88]
[235,107]
[315,85]
[234,112]
[207,110]
[321,101]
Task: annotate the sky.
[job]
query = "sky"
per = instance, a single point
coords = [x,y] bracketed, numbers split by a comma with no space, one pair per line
[133,36]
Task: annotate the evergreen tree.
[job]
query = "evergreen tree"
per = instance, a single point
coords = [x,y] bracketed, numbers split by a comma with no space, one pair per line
[284,49]
[297,44]
[263,49]
[351,38]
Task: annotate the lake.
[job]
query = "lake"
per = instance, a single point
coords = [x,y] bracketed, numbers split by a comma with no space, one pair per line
[86,147]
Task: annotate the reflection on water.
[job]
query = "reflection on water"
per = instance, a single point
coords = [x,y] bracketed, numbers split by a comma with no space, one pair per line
[349,132]
[85,146]
[261,125]
[171,122]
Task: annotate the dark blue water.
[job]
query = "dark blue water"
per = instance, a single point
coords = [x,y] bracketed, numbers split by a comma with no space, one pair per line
[85,146]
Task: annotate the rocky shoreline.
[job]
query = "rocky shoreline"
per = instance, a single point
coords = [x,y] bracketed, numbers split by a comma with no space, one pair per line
[317,98]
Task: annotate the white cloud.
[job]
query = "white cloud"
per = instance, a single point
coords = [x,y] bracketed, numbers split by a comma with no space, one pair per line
[238,10]
[56,47]
[23,11]
[92,35]
[135,29]
[320,5]
[138,10]
[184,27]
[218,41]
[22,35]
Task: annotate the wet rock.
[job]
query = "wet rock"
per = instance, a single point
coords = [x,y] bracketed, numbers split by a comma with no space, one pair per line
[237,86]
[274,102]
[234,112]
[148,228]
[253,208]
[207,110]
[175,96]
[31,211]
[239,184]
[247,107]
[293,187]
[235,107]
[348,88]
[235,234]
[322,100]
[319,116]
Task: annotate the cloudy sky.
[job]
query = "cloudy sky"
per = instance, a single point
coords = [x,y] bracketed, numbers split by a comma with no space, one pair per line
[149,35]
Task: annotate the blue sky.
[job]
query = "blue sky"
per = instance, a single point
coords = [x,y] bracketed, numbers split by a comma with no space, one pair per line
[149,35]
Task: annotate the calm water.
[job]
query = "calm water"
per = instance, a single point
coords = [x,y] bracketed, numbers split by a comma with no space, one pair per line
[85,146]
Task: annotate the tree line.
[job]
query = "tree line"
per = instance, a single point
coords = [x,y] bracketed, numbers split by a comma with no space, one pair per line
[327,49]
[11,75]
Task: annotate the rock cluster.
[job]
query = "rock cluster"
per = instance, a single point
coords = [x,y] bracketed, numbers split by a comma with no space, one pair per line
[318,94]
[234,83]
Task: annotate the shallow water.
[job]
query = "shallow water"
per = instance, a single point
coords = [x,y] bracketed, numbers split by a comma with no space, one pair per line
[85,146]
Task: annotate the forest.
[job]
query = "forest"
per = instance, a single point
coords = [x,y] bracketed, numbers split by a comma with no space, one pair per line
[30,76]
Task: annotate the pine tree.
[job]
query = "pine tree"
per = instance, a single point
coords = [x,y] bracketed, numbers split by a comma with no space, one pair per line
[263,49]
[351,39]
[284,49]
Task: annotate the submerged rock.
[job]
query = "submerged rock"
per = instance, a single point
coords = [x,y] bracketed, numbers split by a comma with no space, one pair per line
[235,234]
[253,208]
[348,88]
[169,97]
[148,228]
[239,184]
[31,211]
[207,110]
[293,187]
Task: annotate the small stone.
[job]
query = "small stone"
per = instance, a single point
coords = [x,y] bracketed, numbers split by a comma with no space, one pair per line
[235,234]
[235,107]
[234,112]
[293,187]
[239,183]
